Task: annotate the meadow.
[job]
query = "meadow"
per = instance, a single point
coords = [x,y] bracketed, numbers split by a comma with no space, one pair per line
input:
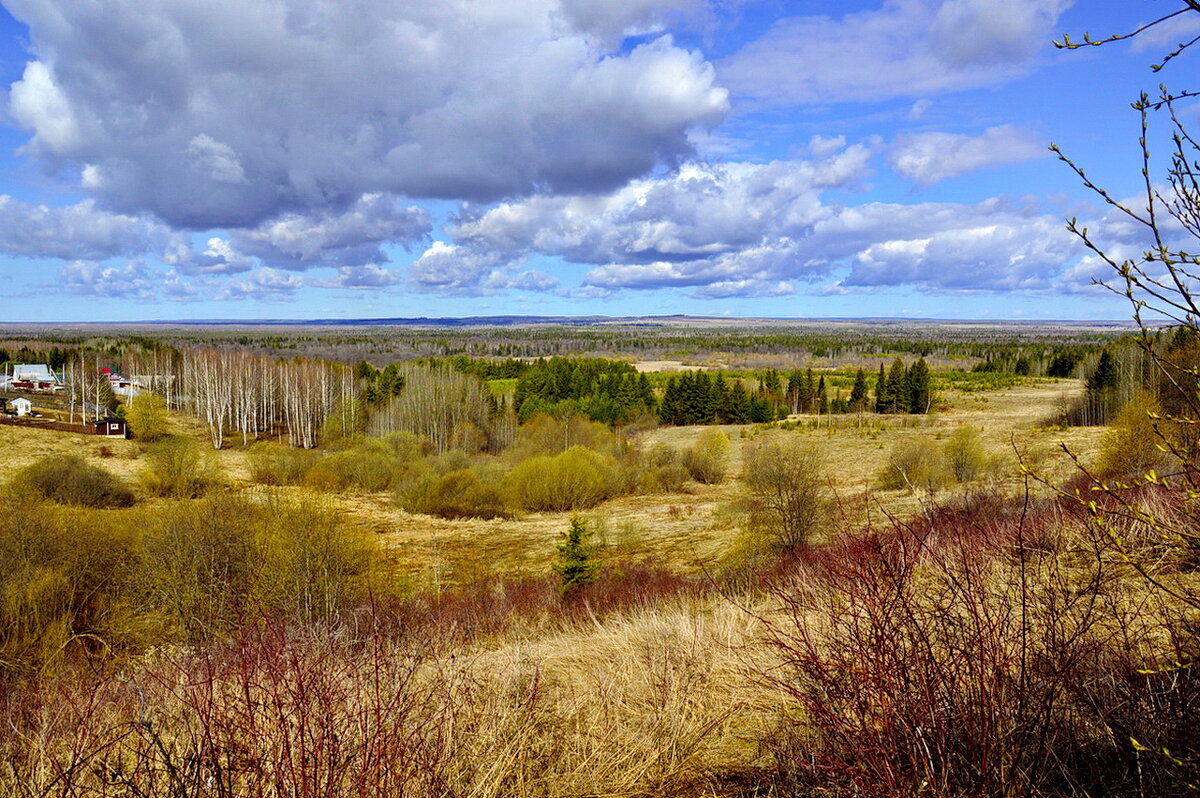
[835,603]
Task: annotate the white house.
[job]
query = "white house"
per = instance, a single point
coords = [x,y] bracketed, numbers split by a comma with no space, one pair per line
[32,371]
[128,388]
[33,377]
[22,406]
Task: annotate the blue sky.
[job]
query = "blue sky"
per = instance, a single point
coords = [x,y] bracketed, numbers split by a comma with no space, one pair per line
[175,159]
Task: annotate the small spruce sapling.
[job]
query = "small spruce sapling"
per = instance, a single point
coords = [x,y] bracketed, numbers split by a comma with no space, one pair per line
[576,565]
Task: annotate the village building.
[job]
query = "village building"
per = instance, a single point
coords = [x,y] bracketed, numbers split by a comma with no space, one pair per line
[123,386]
[32,377]
[112,427]
[22,406]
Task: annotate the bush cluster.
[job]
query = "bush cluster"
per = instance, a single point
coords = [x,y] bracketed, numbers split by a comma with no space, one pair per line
[457,494]
[148,417]
[180,468]
[76,582]
[707,461]
[921,464]
[789,491]
[368,465]
[69,479]
[1137,439]
[573,480]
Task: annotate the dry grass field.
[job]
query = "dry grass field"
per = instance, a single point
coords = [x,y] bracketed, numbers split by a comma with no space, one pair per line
[687,531]
[695,529]
[893,655]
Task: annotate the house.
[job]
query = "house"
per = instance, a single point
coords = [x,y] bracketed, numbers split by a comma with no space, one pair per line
[122,386]
[111,427]
[22,406]
[29,372]
[33,377]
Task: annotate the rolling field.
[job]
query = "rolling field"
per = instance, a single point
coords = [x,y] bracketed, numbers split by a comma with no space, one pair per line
[688,531]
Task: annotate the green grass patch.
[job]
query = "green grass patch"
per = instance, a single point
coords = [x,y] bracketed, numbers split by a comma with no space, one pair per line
[503,387]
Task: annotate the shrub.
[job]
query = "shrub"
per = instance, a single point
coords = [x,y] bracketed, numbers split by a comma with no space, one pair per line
[965,456]
[1131,442]
[274,464]
[229,560]
[661,455]
[661,471]
[576,479]
[545,434]
[664,479]
[915,464]
[311,563]
[407,446]
[708,459]
[789,494]
[199,566]
[458,494]
[69,479]
[179,467]
[369,467]
[68,584]
[452,460]
[148,417]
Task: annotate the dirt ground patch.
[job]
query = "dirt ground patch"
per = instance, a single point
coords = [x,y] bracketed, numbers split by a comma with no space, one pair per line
[667,366]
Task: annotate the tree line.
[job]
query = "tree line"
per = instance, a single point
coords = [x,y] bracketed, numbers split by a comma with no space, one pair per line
[702,398]
[609,391]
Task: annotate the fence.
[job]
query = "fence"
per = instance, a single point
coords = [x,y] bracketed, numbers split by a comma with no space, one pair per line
[41,423]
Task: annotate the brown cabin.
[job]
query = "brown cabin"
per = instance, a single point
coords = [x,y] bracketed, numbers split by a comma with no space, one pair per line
[111,427]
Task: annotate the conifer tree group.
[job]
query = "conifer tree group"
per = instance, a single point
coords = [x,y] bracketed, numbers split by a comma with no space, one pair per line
[903,389]
[699,398]
[608,391]
[703,398]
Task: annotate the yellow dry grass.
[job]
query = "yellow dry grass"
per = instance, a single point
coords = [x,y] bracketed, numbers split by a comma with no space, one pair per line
[636,704]
[24,445]
[687,531]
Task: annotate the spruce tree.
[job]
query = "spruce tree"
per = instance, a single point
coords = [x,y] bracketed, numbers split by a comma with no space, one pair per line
[1105,375]
[576,564]
[858,394]
[809,392]
[668,409]
[920,394]
[739,404]
[795,378]
[897,383]
[882,397]
[770,382]
[721,400]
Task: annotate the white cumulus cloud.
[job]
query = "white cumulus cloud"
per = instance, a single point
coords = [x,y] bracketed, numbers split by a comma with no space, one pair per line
[927,158]
[233,114]
[74,232]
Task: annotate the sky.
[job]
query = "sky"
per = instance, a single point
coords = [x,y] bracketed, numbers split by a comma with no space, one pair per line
[303,159]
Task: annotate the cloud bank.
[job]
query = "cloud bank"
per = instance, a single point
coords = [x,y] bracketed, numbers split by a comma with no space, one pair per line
[232,114]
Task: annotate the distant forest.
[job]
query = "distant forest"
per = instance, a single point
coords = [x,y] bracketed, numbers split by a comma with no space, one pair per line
[313,385]
[1029,349]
